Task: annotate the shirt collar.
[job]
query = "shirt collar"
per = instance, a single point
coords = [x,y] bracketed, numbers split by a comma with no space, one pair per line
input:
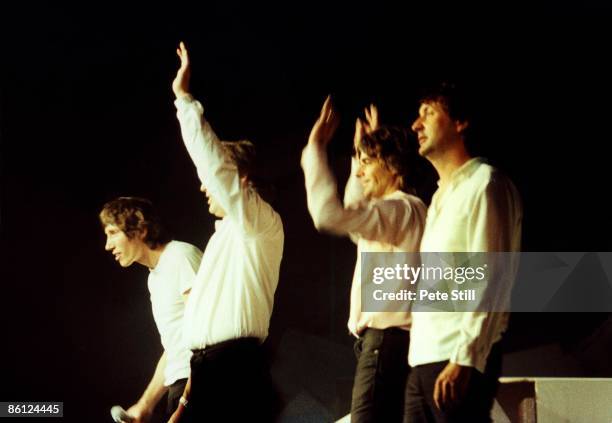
[160,260]
[465,170]
[219,223]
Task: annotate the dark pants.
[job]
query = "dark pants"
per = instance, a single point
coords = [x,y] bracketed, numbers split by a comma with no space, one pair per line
[175,392]
[380,377]
[231,382]
[475,406]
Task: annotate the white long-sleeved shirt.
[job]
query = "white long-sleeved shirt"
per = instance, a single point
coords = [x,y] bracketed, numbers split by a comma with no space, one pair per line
[393,223]
[233,293]
[478,211]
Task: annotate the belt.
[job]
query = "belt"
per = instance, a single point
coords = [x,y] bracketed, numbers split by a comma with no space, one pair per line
[230,343]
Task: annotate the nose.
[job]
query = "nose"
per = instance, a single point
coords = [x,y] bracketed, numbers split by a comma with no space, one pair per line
[203,189]
[417,125]
[108,245]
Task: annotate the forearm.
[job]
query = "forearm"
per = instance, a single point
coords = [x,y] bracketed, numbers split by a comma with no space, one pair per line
[353,192]
[187,391]
[381,219]
[321,189]
[202,143]
[216,170]
[155,389]
[183,403]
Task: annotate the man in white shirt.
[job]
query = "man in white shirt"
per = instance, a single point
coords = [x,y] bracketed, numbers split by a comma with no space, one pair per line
[455,356]
[380,217]
[134,234]
[229,309]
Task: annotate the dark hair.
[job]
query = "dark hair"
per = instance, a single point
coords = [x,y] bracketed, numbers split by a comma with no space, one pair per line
[455,98]
[243,154]
[397,151]
[134,216]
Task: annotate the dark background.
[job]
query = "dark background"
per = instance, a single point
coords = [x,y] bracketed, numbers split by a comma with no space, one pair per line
[86,115]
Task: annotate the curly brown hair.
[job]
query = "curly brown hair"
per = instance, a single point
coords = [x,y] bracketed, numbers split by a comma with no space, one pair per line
[134,216]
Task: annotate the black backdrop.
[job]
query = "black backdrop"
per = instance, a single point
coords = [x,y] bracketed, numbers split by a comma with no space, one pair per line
[87,115]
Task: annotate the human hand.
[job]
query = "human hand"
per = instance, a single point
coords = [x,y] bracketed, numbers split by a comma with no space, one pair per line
[180,85]
[325,126]
[140,413]
[451,385]
[368,126]
[371,123]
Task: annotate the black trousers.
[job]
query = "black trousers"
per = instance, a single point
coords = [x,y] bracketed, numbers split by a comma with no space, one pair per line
[230,382]
[380,377]
[175,391]
[474,408]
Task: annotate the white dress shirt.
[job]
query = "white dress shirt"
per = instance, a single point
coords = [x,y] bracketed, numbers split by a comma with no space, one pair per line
[478,211]
[393,223]
[233,293]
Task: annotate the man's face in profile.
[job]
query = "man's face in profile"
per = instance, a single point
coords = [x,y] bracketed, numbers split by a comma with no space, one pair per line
[375,178]
[434,128]
[125,250]
[214,207]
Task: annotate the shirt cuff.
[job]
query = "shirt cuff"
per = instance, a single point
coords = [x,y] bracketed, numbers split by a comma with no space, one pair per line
[183,101]
[466,356]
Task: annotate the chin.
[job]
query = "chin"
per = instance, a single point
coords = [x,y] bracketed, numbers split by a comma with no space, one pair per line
[124,263]
[425,150]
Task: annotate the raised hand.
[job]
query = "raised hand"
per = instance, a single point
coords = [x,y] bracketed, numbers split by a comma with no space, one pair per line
[325,126]
[180,85]
[370,125]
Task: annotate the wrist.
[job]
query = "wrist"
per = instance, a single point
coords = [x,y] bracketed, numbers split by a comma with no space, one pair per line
[183,401]
[181,94]
[144,406]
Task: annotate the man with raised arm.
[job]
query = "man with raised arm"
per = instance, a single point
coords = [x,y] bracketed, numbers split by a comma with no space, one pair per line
[380,217]
[229,309]
[135,234]
[455,356]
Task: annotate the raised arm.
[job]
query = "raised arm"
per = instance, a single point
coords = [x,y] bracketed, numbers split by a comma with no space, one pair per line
[376,220]
[216,171]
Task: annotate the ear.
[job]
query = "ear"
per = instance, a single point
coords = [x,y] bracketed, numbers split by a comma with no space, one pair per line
[461,126]
[142,235]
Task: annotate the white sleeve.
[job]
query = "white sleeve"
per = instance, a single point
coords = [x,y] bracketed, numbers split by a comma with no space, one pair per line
[353,192]
[189,265]
[218,173]
[377,220]
[494,225]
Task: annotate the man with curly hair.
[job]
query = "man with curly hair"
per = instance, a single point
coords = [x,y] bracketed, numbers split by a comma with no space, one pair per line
[380,216]
[135,234]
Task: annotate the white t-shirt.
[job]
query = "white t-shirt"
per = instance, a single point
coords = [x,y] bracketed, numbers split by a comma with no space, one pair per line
[168,282]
